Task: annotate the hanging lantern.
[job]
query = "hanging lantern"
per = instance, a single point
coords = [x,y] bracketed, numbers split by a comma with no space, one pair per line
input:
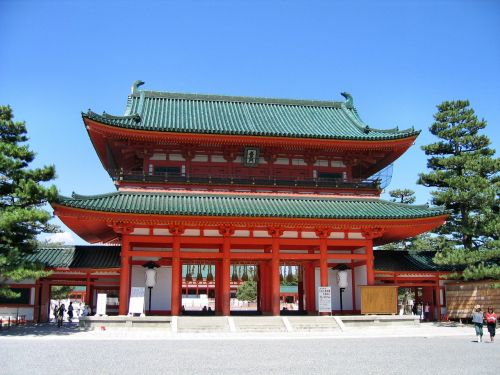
[234,276]
[342,279]
[150,274]
[210,276]
[244,277]
[255,274]
[199,276]
[299,274]
[189,276]
[289,276]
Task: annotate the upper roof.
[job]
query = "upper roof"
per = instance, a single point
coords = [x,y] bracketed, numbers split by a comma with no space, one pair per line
[236,115]
[256,205]
[78,256]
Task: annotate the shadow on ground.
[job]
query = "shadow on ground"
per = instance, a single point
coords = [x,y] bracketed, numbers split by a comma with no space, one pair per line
[46,329]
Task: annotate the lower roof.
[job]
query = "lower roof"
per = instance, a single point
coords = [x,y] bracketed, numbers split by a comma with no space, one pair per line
[103,257]
[398,260]
[89,257]
[247,205]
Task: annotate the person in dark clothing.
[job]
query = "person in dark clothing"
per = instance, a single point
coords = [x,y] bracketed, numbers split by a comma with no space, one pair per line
[70,312]
[60,315]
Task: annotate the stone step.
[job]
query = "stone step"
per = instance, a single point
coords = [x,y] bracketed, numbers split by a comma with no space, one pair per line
[259,324]
[313,323]
[202,324]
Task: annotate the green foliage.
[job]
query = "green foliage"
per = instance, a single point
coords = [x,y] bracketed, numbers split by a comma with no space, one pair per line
[406,196]
[294,281]
[61,292]
[247,291]
[22,196]
[465,174]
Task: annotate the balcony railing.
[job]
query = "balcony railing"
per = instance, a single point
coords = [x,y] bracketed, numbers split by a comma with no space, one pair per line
[277,181]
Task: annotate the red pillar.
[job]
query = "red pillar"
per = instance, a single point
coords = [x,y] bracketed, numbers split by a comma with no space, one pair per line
[44,301]
[353,286]
[275,272]
[87,289]
[124,276]
[310,287]
[323,263]
[36,302]
[176,292]
[370,272]
[226,266]
[218,278]
[300,287]
[259,290]
[437,291]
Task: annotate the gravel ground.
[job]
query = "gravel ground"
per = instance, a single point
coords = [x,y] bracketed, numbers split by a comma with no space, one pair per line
[436,355]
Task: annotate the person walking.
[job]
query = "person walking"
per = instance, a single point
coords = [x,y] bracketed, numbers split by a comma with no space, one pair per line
[55,312]
[477,319]
[70,312]
[427,311]
[491,322]
[60,315]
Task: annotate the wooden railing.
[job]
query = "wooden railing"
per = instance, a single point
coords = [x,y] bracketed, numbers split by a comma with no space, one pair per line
[220,179]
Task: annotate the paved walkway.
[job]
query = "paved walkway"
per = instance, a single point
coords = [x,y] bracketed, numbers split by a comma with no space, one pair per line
[72,331]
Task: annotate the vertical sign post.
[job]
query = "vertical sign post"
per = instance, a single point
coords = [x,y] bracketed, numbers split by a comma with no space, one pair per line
[325,299]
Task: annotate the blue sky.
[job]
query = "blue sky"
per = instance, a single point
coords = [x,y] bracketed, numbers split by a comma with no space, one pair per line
[398,59]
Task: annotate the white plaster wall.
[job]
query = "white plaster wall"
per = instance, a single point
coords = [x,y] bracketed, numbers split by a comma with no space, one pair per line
[161,293]
[360,277]
[332,282]
[12,312]
[346,295]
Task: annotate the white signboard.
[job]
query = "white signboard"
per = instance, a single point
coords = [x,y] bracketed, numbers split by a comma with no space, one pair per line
[325,299]
[101,304]
[136,304]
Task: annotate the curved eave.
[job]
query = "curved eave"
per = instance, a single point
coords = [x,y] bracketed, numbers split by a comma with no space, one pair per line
[99,132]
[131,123]
[97,226]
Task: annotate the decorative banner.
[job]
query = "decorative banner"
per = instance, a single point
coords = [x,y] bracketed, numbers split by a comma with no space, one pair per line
[251,156]
[325,299]
[101,304]
[136,303]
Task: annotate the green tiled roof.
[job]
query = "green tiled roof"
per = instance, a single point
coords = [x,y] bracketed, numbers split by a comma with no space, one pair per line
[78,257]
[233,115]
[247,205]
[391,260]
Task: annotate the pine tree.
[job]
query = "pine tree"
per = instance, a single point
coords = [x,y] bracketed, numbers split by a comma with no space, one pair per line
[406,196]
[247,291]
[465,173]
[22,217]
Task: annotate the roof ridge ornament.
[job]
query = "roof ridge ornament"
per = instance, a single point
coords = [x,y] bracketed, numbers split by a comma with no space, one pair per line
[349,102]
[135,86]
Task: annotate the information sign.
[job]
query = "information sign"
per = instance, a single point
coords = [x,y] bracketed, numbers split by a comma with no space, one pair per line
[136,304]
[101,304]
[325,299]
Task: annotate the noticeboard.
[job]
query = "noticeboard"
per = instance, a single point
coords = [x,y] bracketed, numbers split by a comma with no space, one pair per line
[136,304]
[325,299]
[101,304]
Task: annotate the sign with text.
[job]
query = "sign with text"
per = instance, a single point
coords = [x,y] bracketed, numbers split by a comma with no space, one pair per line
[136,304]
[325,299]
[101,304]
